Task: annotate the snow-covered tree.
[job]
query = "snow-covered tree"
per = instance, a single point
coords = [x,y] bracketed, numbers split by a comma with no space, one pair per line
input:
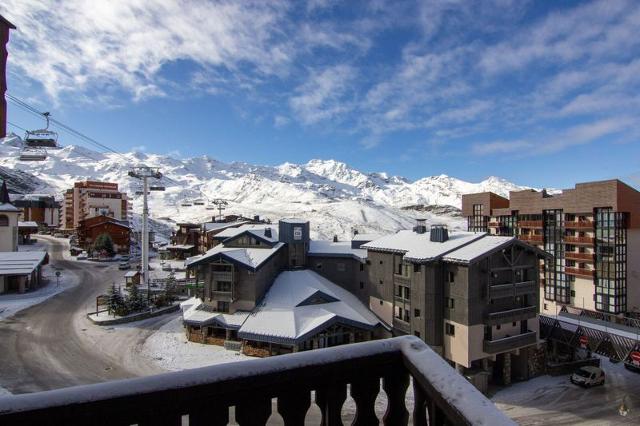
[117,304]
[135,300]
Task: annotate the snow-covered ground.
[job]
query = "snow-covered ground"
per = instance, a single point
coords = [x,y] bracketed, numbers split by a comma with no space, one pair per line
[555,400]
[12,303]
[169,348]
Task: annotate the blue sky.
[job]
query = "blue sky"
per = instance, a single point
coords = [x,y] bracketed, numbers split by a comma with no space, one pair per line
[540,93]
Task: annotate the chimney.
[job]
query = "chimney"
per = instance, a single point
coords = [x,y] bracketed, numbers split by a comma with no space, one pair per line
[439,233]
[335,238]
[267,232]
[256,218]
[355,232]
[421,226]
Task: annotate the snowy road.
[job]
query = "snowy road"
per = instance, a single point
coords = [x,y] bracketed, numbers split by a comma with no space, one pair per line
[53,345]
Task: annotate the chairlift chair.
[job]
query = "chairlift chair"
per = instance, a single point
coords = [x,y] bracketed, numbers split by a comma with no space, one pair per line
[198,203]
[157,188]
[41,138]
[32,154]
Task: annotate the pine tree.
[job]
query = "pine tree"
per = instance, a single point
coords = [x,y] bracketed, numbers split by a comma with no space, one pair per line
[135,300]
[104,244]
[117,304]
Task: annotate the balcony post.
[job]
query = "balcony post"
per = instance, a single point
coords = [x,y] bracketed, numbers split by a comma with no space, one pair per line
[364,393]
[419,405]
[293,407]
[206,415]
[330,400]
[395,384]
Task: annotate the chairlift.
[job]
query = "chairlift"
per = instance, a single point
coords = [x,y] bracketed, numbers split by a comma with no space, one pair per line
[41,138]
[186,204]
[157,188]
[32,154]
[210,207]
[198,203]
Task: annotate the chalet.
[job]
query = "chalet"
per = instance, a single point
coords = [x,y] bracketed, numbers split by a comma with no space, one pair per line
[89,230]
[39,208]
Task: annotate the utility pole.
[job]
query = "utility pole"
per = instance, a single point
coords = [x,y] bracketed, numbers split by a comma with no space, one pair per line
[144,173]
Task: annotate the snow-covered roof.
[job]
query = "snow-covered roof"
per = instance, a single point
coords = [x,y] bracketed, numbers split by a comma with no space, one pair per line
[179,247]
[300,303]
[130,274]
[478,248]
[250,257]
[20,262]
[337,249]
[27,224]
[418,247]
[7,207]
[255,230]
[293,220]
[196,313]
[214,226]
[365,237]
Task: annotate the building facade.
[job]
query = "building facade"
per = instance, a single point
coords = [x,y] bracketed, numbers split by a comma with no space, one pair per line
[91,198]
[91,228]
[40,208]
[592,233]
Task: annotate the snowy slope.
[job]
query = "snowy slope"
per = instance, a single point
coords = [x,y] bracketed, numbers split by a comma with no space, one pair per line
[333,196]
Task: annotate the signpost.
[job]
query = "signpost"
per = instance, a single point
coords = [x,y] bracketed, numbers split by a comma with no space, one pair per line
[58,278]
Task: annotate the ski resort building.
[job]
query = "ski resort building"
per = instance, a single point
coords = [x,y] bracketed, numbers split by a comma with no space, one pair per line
[592,232]
[91,198]
[39,208]
[91,228]
[20,271]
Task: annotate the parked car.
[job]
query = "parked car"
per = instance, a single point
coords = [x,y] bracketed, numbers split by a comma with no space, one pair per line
[83,256]
[124,265]
[125,258]
[588,376]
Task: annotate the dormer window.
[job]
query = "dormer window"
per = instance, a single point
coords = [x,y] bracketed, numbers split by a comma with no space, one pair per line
[4,220]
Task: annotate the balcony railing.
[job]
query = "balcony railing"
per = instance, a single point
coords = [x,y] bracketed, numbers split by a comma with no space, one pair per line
[222,276]
[510,315]
[203,396]
[581,257]
[526,287]
[509,343]
[578,240]
[580,272]
[494,224]
[530,224]
[538,239]
[222,296]
[583,224]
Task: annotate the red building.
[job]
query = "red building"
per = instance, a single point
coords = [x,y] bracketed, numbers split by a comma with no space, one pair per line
[5,27]
[89,229]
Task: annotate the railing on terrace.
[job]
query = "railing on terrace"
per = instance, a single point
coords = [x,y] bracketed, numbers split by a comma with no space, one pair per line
[588,257]
[509,342]
[530,224]
[532,238]
[509,315]
[583,224]
[578,240]
[203,396]
[580,272]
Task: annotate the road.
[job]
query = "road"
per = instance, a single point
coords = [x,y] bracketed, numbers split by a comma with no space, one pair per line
[54,345]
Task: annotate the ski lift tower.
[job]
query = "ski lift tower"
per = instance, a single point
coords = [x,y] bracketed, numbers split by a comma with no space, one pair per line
[221,205]
[144,173]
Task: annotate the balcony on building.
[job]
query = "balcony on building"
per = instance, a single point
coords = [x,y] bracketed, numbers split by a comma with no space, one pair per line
[580,272]
[509,343]
[530,224]
[498,291]
[500,316]
[532,238]
[582,224]
[570,239]
[204,396]
[579,257]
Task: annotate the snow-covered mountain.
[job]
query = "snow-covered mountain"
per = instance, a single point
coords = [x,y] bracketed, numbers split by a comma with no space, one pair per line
[333,196]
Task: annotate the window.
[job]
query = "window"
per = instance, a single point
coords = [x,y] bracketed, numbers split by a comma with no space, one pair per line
[513,324]
[381,262]
[451,276]
[416,267]
[361,285]
[451,304]
[416,312]
[4,220]
[545,307]
[361,267]
[449,329]
[573,293]
[407,293]
[498,327]
[381,282]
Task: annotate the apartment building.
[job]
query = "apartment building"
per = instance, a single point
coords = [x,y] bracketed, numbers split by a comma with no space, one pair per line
[40,208]
[471,296]
[592,233]
[91,198]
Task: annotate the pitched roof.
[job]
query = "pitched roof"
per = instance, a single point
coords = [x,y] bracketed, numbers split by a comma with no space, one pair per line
[20,262]
[4,193]
[335,249]
[255,230]
[478,248]
[418,247]
[301,303]
[252,258]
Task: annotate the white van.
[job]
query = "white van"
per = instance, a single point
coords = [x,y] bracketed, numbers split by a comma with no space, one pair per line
[588,376]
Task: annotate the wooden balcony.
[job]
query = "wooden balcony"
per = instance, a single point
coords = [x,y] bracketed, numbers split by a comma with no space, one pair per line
[509,343]
[222,296]
[531,224]
[580,272]
[498,291]
[578,240]
[579,257]
[534,239]
[494,224]
[583,224]
[202,396]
